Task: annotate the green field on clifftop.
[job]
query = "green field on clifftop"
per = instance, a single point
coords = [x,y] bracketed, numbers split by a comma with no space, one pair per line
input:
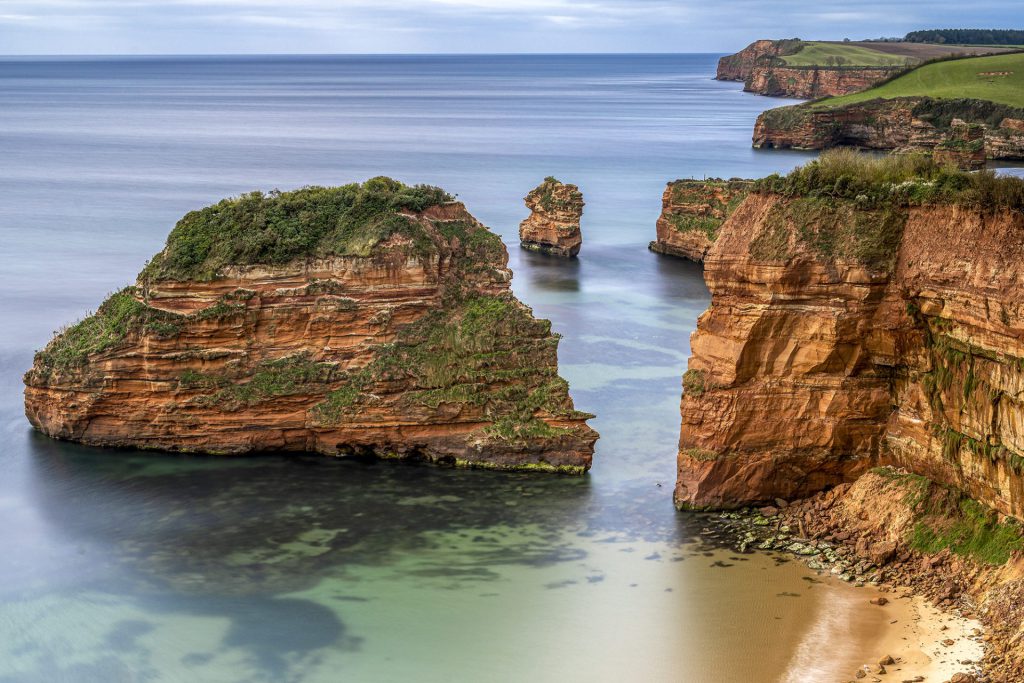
[997,78]
[826,54]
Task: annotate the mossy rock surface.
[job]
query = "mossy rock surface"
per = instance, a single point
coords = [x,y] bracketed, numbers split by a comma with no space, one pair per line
[278,227]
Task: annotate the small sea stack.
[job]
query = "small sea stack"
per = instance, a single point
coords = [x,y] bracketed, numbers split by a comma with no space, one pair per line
[553,226]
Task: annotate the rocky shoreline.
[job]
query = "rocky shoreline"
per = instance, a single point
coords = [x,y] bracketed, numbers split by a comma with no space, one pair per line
[810,530]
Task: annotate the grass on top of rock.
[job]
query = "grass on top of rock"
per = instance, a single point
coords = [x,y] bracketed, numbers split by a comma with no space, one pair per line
[996,78]
[121,314]
[486,351]
[883,181]
[278,227]
[946,519]
[554,195]
[720,197]
[826,54]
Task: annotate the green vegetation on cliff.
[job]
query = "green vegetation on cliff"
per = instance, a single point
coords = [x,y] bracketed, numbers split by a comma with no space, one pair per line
[278,227]
[946,519]
[121,314]
[850,206]
[996,78]
[485,351]
[816,53]
[879,182]
[715,198]
[272,378]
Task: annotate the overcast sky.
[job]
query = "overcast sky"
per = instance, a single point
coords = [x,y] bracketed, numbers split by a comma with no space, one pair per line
[367,26]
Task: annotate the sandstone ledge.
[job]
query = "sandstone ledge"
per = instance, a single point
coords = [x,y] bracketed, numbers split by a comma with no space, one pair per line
[912,124]
[692,211]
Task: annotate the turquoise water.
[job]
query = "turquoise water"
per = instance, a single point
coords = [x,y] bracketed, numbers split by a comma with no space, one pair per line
[127,566]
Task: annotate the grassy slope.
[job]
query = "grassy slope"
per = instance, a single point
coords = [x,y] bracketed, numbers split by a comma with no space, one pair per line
[951,80]
[815,54]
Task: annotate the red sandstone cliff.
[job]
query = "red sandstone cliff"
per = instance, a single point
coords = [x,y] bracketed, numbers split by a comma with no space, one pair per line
[553,225]
[372,319]
[864,354]
[815,82]
[739,66]
[840,337]
[900,124]
[692,211]
[763,71]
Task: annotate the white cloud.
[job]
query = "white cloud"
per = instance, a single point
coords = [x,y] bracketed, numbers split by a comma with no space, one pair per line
[56,26]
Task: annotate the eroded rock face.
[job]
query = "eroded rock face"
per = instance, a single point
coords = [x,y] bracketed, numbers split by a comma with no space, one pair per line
[813,82]
[739,66]
[373,319]
[760,67]
[912,124]
[692,211]
[824,353]
[553,225]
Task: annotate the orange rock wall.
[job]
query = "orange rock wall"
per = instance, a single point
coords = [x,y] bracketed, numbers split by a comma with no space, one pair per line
[890,125]
[807,370]
[811,83]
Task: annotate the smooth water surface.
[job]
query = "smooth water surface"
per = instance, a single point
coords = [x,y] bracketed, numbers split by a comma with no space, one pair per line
[126,566]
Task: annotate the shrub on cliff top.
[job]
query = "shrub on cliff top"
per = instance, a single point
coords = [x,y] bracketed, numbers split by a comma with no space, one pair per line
[278,227]
[874,181]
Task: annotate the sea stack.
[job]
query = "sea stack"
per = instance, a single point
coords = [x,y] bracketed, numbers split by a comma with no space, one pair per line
[371,320]
[553,226]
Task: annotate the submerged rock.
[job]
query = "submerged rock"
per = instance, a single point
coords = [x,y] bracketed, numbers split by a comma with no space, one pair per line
[553,226]
[370,319]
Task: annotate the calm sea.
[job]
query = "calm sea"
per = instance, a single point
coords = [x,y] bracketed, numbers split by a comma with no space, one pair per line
[127,566]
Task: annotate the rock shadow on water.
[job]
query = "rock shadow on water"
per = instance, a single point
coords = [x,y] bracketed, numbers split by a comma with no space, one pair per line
[268,525]
[549,273]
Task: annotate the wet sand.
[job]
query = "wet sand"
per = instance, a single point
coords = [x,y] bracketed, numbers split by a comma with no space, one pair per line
[847,638]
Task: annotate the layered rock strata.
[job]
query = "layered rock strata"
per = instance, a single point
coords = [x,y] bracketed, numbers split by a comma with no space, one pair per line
[763,70]
[360,320]
[815,82]
[899,124]
[692,211]
[553,226]
[849,331]
[739,66]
